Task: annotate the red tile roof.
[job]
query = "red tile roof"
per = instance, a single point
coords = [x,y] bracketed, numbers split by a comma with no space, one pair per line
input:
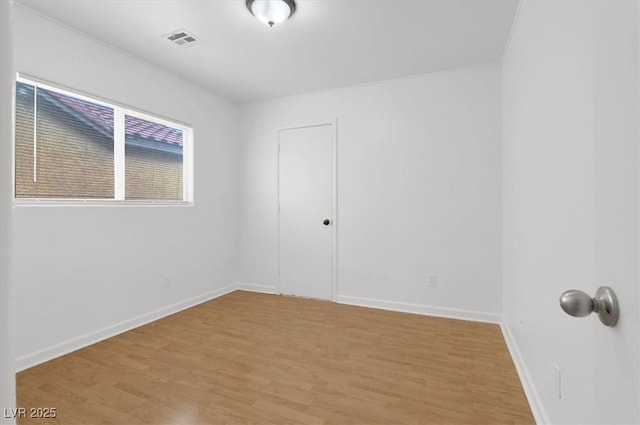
[102,117]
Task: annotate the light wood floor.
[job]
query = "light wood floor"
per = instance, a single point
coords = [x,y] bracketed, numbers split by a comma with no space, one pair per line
[249,358]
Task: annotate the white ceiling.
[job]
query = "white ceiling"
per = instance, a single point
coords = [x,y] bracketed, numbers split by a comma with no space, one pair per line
[326,44]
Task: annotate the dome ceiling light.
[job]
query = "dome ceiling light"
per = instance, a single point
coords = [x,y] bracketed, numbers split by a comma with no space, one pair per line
[271,12]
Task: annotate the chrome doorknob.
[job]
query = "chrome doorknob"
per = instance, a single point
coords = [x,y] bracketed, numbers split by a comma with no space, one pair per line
[579,304]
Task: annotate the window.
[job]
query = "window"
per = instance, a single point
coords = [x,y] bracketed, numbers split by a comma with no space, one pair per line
[70,147]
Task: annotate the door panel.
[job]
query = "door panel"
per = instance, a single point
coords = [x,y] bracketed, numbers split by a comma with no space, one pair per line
[306,200]
[615,73]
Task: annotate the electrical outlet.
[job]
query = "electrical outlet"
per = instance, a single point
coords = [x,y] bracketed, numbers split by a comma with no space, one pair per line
[432,280]
[558,380]
[167,281]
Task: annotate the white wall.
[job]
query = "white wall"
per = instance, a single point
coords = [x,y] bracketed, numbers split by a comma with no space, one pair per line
[419,165]
[570,188]
[83,270]
[7,329]
[418,190]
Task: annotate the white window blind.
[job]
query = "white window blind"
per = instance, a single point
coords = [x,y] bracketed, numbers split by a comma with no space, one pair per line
[62,150]
[153,160]
[70,147]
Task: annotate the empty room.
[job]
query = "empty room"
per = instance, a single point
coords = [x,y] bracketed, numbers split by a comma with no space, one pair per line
[319,212]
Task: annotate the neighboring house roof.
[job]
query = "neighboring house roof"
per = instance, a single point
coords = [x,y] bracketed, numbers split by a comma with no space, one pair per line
[138,132]
[136,127]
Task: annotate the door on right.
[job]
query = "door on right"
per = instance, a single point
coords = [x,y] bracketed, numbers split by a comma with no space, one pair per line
[306,211]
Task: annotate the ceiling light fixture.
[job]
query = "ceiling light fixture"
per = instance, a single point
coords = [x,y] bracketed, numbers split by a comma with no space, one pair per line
[271,12]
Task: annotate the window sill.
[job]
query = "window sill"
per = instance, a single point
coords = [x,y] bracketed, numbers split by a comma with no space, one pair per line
[29,202]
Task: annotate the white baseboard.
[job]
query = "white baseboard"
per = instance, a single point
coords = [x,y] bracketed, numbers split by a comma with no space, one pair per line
[252,287]
[476,316]
[537,408]
[450,313]
[60,349]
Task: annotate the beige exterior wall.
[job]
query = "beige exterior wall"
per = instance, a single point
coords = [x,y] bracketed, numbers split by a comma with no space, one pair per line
[157,177]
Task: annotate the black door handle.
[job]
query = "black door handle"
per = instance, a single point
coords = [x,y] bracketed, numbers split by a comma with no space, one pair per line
[326,222]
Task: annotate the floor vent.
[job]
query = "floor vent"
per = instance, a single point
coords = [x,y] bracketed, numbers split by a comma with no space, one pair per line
[182,38]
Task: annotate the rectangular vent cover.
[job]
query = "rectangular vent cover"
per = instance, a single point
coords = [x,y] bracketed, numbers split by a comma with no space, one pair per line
[182,38]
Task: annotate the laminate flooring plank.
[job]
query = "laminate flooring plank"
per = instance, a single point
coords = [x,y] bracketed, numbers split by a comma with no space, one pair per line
[248,358]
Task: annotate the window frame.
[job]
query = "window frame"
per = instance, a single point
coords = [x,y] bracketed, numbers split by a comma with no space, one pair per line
[119,111]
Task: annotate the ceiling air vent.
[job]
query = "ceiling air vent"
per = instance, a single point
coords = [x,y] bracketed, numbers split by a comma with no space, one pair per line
[182,38]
